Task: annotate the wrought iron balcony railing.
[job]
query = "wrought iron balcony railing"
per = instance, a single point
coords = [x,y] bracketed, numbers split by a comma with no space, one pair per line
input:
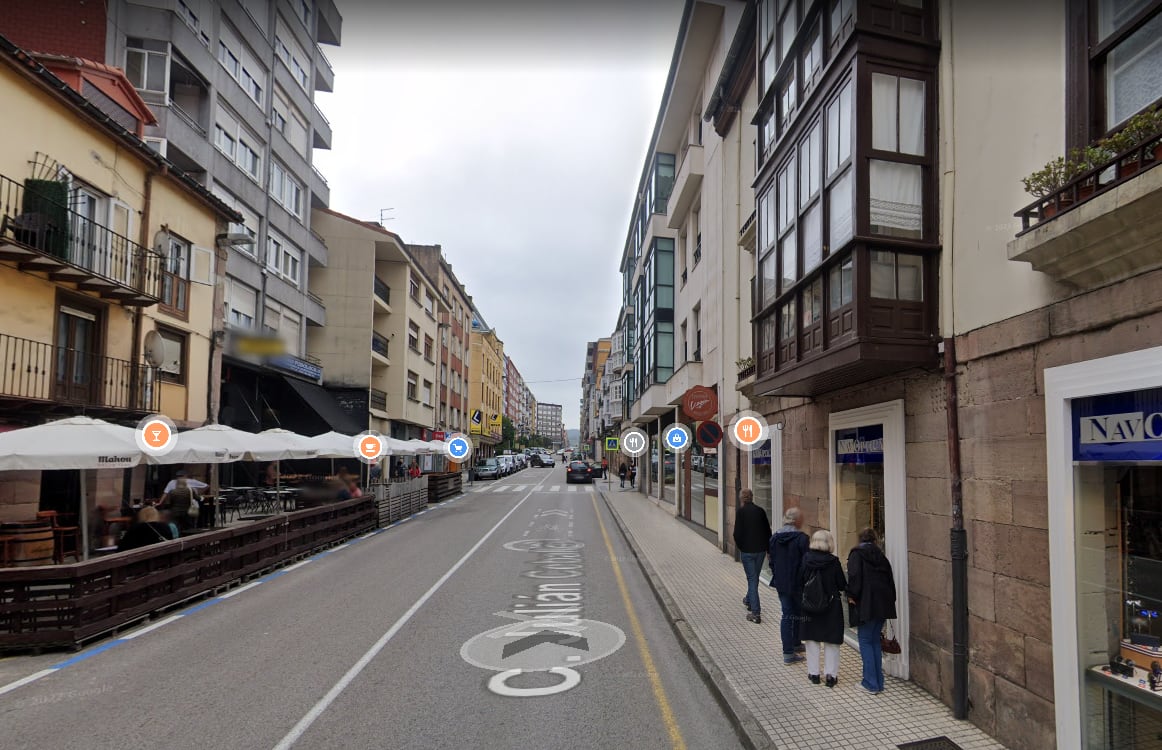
[34,371]
[40,231]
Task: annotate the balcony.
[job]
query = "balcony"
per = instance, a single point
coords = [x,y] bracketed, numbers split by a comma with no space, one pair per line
[320,189]
[330,23]
[379,353]
[41,234]
[382,296]
[324,72]
[687,185]
[322,127]
[860,326]
[315,310]
[35,376]
[1101,227]
[377,400]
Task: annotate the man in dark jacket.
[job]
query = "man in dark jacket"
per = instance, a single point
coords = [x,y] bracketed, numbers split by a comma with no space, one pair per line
[752,533]
[787,548]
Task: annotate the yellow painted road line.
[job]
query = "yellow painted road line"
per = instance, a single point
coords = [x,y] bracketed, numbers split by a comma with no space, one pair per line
[635,625]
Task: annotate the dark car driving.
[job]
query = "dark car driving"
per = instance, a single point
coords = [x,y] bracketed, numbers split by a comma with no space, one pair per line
[578,471]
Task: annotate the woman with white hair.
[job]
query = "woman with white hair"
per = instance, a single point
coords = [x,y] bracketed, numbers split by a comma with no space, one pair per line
[822,579]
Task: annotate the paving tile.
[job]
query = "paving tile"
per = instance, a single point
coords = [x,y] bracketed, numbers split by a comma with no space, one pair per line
[708,588]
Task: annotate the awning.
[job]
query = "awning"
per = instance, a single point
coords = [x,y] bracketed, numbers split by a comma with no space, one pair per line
[325,406]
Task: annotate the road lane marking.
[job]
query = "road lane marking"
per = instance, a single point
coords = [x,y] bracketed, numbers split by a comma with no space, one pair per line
[555,488]
[151,628]
[26,680]
[240,589]
[660,698]
[325,702]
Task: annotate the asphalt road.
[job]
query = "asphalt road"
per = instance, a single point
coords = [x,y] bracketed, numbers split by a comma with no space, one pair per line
[499,620]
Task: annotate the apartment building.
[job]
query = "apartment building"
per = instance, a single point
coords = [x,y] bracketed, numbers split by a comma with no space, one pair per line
[94,228]
[518,402]
[550,424]
[232,84]
[898,303]
[485,387]
[685,287]
[593,428]
[452,411]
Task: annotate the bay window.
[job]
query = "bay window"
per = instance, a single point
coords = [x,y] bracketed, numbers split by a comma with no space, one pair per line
[898,147]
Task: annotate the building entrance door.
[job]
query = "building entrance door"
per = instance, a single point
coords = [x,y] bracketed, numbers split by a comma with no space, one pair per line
[868,490]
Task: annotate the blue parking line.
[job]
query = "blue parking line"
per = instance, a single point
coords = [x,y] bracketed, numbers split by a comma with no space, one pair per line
[87,654]
[200,607]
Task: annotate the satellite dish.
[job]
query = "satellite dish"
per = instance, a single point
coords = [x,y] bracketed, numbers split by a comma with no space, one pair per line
[154,348]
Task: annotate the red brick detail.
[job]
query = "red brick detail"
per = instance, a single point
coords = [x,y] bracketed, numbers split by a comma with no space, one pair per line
[62,27]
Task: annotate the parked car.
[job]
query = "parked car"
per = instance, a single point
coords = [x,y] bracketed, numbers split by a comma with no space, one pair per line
[508,467]
[711,466]
[488,468]
[578,471]
[696,462]
[594,469]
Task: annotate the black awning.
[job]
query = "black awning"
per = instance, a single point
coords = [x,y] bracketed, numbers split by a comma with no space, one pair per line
[324,406]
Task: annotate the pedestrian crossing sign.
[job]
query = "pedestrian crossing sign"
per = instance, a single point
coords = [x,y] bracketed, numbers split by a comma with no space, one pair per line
[611,445]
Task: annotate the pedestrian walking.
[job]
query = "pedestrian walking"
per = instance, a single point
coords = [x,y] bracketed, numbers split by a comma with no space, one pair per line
[633,475]
[604,467]
[179,502]
[871,594]
[787,548]
[822,579]
[752,534]
[622,472]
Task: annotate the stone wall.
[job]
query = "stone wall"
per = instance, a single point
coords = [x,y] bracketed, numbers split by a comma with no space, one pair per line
[1000,382]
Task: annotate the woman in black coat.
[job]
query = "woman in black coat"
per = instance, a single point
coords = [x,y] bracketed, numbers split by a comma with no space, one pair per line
[822,630]
[871,592]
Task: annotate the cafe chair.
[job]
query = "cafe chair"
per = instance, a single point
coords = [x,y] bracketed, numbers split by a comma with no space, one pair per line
[62,535]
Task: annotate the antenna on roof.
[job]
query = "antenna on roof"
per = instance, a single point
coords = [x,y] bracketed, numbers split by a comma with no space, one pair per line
[382,211]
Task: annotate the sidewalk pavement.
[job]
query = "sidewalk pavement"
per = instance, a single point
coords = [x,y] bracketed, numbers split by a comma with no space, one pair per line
[774,703]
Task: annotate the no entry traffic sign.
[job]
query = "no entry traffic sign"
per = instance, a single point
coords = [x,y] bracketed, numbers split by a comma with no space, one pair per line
[708,434]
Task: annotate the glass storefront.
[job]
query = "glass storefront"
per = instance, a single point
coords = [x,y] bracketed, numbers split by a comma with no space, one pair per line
[760,482]
[859,489]
[1117,475]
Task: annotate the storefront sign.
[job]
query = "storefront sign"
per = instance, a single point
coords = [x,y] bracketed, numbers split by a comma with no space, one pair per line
[1118,427]
[761,456]
[860,445]
[700,403]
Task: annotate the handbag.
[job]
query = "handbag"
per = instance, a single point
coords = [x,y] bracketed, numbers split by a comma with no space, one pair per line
[888,643]
[195,507]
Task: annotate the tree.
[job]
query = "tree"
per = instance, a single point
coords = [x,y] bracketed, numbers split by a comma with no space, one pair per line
[507,433]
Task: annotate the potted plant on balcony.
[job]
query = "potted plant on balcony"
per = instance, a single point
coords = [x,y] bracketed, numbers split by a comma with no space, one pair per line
[1138,130]
[1048,182]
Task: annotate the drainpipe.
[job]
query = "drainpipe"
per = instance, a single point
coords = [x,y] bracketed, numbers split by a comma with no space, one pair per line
[959,542]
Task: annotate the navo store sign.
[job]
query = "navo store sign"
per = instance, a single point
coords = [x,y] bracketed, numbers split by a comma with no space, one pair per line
[860,445]
[1118,427]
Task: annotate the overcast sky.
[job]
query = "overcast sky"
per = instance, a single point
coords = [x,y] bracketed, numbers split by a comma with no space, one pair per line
[513,134]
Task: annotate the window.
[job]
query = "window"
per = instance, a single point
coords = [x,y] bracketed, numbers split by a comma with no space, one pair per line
[429,304]
[289,121]
[241,303]
[147,64]
[788,25]
[428,344]
[286,190]
[235,141]
[787,100]
[812,55]
[413,386]
[250,219]
[414,288]
[898,132]
[1126,64]
[898,276]
[303,9]
[841,11]
[443,374]
[427,394]
[812,303]
[241,64]
[839,130]
[283,258]
[840,285]
[413,336]
[173,343]
[175,283]
[293,56]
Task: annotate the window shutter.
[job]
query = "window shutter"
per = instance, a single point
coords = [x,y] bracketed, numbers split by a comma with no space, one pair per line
[202,266]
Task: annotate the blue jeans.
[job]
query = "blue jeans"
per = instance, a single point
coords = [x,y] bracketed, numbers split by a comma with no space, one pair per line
[752,563]
[872,654]
[789,626]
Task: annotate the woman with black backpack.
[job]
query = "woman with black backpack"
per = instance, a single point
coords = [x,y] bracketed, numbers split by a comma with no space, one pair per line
[822,579]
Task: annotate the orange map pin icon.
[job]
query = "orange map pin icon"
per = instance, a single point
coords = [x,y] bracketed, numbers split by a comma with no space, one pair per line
[370,447]
[748,431]
[156,434]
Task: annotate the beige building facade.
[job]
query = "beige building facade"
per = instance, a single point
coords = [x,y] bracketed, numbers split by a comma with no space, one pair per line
[110,271]
[485,387]
[964,382]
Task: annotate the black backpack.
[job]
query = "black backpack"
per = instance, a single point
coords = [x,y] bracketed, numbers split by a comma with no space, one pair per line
[816,600]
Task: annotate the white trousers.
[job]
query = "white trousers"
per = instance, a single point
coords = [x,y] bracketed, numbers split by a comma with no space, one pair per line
[830,658]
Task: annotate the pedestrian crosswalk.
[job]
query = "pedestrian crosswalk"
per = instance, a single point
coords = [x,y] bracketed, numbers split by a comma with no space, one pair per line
[501,488]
